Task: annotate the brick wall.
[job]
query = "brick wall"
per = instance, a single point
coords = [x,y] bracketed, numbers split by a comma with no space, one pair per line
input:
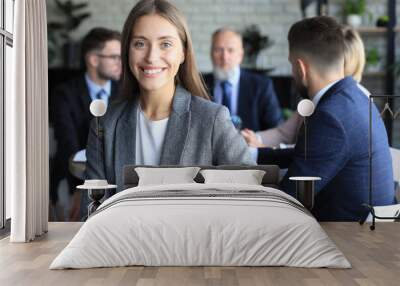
[274,17]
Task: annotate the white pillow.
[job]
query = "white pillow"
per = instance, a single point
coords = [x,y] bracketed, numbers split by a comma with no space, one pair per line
[248,177]
[165,176]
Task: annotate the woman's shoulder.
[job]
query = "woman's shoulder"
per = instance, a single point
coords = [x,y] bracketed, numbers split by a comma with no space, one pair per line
[186,101]
[200,104]
[203,101]
[117,109]
[206,110]
[116,106]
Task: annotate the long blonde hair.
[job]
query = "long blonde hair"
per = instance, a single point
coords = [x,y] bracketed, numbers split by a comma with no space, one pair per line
[188,75]
[354,53]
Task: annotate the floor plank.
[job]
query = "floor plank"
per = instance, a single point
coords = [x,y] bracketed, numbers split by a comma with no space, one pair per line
[374,255]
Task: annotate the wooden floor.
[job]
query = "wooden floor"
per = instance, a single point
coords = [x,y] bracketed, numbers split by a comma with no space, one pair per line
[374,255]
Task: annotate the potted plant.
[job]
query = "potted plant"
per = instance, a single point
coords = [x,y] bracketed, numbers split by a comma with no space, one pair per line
[354,10]
[382,21]
[59,32]
[372,60]
[253,44]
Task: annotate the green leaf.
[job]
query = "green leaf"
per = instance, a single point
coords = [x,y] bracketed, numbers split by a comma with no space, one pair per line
[79,6]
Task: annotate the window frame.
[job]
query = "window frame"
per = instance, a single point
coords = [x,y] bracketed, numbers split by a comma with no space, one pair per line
[6,39]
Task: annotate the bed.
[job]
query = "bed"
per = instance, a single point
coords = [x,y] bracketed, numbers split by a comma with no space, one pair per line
[201,224]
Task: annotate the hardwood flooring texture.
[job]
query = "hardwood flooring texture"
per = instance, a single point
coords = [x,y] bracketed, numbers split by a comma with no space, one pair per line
[374,255]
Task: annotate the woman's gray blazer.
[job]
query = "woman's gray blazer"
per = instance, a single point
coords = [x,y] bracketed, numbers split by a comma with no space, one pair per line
[199,132]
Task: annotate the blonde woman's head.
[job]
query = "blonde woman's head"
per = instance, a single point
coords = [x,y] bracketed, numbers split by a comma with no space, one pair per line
[354,53]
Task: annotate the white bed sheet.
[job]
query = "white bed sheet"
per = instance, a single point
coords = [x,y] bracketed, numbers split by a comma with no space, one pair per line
[189,231]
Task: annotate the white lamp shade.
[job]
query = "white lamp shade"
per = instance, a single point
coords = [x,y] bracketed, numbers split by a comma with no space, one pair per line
[305,107]
[98,107]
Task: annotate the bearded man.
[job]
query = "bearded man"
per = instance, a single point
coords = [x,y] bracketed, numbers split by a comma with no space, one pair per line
[248,96]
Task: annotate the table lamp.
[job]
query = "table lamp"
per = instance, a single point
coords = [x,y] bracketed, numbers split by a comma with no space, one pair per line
[96,187]
[305,108]
[305,184]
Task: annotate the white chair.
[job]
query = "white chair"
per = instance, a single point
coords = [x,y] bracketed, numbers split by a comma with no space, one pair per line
[396,169]
[392,210]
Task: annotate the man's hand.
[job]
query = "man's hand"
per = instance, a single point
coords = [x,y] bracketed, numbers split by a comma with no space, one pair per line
[251,138]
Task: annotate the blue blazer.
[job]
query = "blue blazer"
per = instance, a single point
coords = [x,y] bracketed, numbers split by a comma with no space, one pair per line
[258,106]
[337,151]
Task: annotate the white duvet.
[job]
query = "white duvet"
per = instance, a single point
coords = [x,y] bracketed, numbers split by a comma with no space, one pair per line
[201,224]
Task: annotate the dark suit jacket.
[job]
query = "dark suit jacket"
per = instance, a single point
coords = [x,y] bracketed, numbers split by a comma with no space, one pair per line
[258,106]
[199,132]
[338,153]
[71,118]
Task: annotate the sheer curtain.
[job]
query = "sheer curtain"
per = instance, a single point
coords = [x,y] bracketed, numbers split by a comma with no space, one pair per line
[27,124]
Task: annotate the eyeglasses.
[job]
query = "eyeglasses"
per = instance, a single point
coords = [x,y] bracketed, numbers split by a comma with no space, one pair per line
[115,58]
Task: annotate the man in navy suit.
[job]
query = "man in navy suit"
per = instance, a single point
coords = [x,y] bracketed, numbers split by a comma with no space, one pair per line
[249,96]
[337,135]
[101,55]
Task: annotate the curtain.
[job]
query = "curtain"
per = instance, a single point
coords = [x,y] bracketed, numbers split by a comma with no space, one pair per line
[27,124]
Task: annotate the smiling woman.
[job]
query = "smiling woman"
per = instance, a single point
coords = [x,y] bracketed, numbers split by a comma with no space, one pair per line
[165,117]
[154,59]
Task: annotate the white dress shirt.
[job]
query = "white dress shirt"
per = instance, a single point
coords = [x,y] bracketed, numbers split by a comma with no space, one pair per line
[95,88]
[234,81]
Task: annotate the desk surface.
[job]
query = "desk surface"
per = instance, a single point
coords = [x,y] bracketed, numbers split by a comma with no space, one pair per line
[374,255]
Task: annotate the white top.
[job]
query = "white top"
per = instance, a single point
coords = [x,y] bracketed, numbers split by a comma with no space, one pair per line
[149,139]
